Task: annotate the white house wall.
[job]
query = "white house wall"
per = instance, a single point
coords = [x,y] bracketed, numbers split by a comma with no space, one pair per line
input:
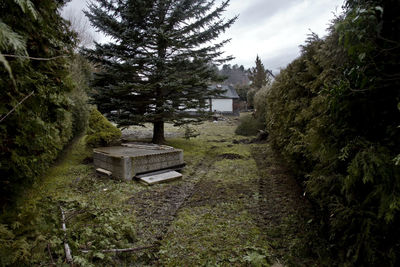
[222,105]
[207,108]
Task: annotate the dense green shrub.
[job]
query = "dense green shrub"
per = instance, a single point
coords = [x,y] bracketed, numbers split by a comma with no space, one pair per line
[101,132]
[34,133]
[333,114]
[250,97]
[260,104]
[249,125]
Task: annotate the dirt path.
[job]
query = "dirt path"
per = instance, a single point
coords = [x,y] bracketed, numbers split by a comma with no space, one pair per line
[284,213]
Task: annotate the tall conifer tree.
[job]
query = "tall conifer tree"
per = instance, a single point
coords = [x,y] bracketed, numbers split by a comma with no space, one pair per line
[258,75]
[158,63]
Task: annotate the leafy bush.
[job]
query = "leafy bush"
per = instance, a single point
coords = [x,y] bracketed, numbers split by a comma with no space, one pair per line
[250,97]
[332,113]
[249,125]
[260,104]
[101,132]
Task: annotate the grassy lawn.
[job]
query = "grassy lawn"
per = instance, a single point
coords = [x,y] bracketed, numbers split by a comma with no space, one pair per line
[216,226]
[211,217]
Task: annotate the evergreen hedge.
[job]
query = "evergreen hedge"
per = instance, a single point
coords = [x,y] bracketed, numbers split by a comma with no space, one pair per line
[333,114]
[32,136]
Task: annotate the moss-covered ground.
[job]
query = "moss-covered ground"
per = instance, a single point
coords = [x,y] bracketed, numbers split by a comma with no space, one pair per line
[235,206]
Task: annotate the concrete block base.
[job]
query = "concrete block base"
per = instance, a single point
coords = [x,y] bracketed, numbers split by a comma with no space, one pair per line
[124,162]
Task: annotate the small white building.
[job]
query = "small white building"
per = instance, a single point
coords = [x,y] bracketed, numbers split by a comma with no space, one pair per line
[226,102]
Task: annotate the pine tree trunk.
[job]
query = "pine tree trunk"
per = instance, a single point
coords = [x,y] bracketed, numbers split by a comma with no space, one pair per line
[158,132]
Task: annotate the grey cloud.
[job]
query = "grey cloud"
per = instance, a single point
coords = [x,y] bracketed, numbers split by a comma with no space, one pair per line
[260,10]
[279,61]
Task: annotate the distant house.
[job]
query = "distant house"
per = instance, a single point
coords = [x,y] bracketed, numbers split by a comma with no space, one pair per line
[225,103]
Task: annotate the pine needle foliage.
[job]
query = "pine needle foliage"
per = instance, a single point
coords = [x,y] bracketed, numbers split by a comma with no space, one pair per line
[333,114]
[158,64]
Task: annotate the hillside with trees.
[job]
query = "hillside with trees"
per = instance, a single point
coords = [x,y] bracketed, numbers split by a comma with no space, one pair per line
[234,75]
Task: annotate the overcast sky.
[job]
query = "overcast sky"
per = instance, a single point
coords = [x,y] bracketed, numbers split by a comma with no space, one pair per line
[273,29]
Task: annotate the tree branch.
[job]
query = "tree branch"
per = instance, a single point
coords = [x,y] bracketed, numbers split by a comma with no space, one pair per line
[19,103]
[51,257]
[121,249]
[35,58]
[68,255]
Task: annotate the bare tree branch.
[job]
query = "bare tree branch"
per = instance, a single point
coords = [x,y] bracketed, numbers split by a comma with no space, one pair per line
[11,111]
[68,255]
[121,249]
[51,257]
[35,58]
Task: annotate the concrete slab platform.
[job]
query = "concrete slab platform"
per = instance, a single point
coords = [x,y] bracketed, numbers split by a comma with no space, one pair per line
[125,161]
[159,177]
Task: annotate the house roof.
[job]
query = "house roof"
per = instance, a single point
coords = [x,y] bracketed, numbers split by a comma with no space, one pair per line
[229,92]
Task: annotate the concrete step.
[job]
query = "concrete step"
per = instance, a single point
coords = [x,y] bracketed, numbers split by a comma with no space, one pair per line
[104,172]
[159,177]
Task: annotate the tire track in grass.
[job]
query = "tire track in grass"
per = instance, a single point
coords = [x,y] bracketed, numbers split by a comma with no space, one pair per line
[283,211]
[157,206]
[215,225]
